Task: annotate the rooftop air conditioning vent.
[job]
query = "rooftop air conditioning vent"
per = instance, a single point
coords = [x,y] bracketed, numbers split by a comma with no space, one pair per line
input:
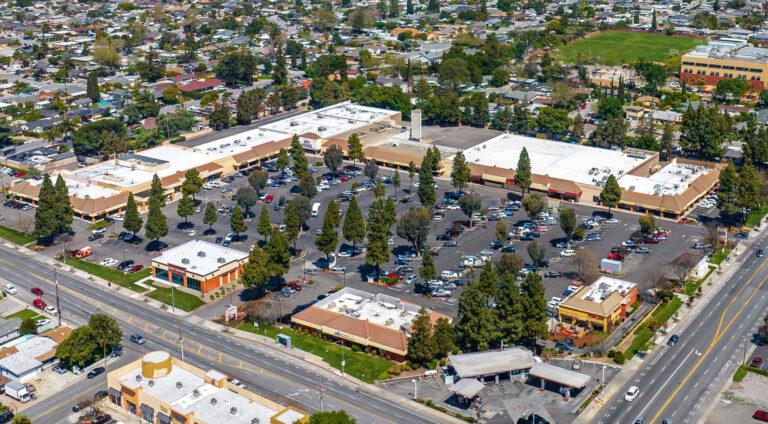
[201,254]
[214,401]
[233,410]
[221,260]
[255,421]
[185,261]
[195,393]
[138,377]
[179,384]
[151,383]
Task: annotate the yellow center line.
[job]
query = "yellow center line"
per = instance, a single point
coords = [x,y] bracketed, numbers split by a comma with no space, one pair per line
[717,336]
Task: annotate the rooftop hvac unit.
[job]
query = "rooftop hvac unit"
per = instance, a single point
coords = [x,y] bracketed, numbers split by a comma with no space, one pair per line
[185,261]
[221,260]
[201,254]
[151,383]
[179,384]
[255,421]
[294,123]
[389,322]
[233,410]
[195,393]
[138,378]
[214,401]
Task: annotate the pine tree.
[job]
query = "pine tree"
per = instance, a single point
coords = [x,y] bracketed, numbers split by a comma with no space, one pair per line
[45,213]
[394,9]
[156,226]
[421,345]
[300,162]
[219,118]
[523,171]
[210,217]
[328,238]
[355,149]
[667,142]
[92,87]
[578,129]
[749,187]
[475,324]
[292,221]
[433,6]
[409,7]
[354,224]
[334,212]
[444,337]
[411,174]
[426,190]
[611,193]
[264,226]
[192,183]
[427,270]
[237,221]
[653,21]
[509,310]
[282,161]
[256,272]
[132,221]
[279,253]
[378,250]
[395,182]
[64,212]
[156,190]
[534,308]
[728,190]
[186,207]
[460,174]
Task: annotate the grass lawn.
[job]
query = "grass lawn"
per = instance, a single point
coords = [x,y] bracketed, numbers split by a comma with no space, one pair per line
[719,256]
[665,311]
[24,314]
[755,216]
[15,236]
[182,300]
[691,286]
[111,274]
[620,47]
[360,365]
[643,336]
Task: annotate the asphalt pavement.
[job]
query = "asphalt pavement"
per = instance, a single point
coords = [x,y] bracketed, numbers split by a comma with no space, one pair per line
[266,372]
[680,382]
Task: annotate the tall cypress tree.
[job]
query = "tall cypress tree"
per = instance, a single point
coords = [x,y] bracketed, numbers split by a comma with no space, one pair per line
[523,171]
[534,308]
[156,226]
[237,222]
[45,214]
[264,226]
[64,213]
[509,311]
[354,224]
[92,87]
[132,221]
[328,238]
[426,190]
[409,7]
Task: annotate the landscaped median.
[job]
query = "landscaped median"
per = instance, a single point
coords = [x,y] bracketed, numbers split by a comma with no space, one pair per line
[368,368]
[643,334]
[741,372]
[110,274]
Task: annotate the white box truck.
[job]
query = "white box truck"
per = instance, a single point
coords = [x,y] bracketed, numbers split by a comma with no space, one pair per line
[17,391]
[316,209]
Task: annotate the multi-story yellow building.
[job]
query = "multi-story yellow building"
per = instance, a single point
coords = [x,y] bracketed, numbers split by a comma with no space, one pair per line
[725,58]
[161,389]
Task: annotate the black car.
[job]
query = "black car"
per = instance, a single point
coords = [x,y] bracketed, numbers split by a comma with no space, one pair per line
[496,245]
[219,240]
[672,340]
[450,243]
[125,265]
[101,394]
[760,253]
[552,274]
[537,419]
[405,200]
[508,249]
[444,236]
[96,372]
[6,416]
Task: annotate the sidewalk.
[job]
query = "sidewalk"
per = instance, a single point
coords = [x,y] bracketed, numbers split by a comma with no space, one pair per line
[688,314]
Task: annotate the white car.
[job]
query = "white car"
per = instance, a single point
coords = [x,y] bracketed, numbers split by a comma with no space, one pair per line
[110,262]
[42,322]
[631,394]
[567,253]
[452,207]
[10,289]
[51,310]
[556,300]
[449,275]
[192,233]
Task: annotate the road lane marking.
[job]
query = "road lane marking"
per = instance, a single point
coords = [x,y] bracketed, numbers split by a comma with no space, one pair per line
[665,383]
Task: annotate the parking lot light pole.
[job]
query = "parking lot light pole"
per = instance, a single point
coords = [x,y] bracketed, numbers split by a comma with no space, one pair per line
[415,388]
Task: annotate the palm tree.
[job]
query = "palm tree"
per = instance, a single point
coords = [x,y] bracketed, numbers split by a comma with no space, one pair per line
[66,127]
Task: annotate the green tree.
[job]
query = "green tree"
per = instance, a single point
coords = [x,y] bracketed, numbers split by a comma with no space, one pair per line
[396,182]
[536,252]
[728,191]
[414,226]
[106,332]
[730,88]
[282,161]
[653,74]
[246,198]
[749,187]
[237,67]
[442,333]
[378,236]
[523,171]
[210,216]
[611,131]
[460,174]
[355,148]
[510,263]
[307,186]
[279,253]
[667,142]
[611,193]
[237,222]
[421,345]
[64,212]
[156,226]
[534,308]
[568,222]
[79,348]
[192,183]
[258,180]
[186,207]
[533,205]
[475,325]
[28,326]
[379,190]
[647,223]
[257,271]
[334,212]
[45,213]
[427,269]
[21,419]
[333,417]
[469,204]
[292,221]
[509,310]
[354,224]
[501,230]
[426,190]
[332,158]
[92,87]
[553,121]
[370,170]
[219,118]
[264,226]
[300,162]
[411,174]
[132,221]
[328,238]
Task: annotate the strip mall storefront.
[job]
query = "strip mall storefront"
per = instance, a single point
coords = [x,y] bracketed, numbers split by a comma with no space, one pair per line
[229,273]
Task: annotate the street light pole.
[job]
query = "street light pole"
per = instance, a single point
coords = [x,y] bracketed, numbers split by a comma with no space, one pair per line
[173,298]
[415,388]
[58,308]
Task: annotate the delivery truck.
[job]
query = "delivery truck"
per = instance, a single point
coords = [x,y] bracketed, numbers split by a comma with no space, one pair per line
[17,391]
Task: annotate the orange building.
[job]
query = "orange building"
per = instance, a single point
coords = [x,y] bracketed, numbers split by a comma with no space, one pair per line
[199,266]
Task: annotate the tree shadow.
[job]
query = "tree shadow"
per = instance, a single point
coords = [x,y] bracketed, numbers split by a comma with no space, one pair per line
[185,225]
[156,246]
[209,232]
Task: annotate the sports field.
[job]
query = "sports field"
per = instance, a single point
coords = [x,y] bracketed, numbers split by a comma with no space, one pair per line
[620,47]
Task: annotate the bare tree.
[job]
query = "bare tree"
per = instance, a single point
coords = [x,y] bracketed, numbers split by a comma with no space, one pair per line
[682,266]
[710,233]
[25,224]
[656,278]
[585,264]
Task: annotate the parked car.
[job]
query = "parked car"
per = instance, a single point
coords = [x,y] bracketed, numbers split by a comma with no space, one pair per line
[643,250]
[59,369]
[672,340]
[51,310]
[760,415]
[135,268]
[39,303]
[96,372]
[760,253]
[564,345]
[10,289]
[757,362]
[552,274]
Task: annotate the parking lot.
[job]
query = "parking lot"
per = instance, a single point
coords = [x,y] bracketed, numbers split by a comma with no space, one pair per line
[471,242]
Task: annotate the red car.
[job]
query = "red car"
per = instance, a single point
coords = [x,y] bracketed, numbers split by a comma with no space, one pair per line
[394,275]
[651,240]
[344,178]
[135,268]
[616,257]
[39,303]
[269,198]
[756,362]
[37,291]
[760,415]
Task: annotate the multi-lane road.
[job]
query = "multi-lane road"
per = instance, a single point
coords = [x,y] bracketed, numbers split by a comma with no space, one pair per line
[282,378]
[680,382]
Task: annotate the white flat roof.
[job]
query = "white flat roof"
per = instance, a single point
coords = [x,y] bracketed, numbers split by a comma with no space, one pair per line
[669,180]
[200,257]
[572,162]
[603,287]
[332,120]
[479,364]
[380,309]
[81,189]
[559,375]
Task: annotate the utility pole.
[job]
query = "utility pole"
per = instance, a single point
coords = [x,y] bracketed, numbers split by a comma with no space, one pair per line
[173,298]
[58,308]
[181,341]
[321,389]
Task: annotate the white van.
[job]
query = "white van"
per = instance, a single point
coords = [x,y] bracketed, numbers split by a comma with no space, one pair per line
[315,209]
